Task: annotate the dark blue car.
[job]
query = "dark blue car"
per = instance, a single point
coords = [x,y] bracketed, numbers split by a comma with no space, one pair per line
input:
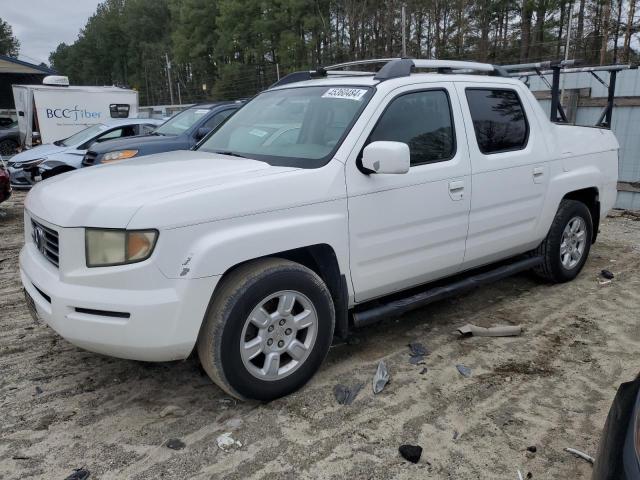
[180,132]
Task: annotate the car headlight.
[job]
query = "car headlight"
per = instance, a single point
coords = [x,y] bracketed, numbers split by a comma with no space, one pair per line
[30,163]
[118,247]
[119,155]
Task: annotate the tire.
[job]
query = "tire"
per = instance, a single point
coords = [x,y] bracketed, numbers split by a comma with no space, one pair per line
[8,147]
[56,171]
[561,262]
[232,322]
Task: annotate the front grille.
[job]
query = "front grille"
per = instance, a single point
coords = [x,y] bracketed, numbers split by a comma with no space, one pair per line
[46,240]
[89,159]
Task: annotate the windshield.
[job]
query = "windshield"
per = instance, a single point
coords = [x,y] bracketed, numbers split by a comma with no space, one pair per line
[82,136]
[182,122]
[292,127]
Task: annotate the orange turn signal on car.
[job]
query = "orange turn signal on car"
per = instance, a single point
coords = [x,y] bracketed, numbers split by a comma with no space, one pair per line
[119,155]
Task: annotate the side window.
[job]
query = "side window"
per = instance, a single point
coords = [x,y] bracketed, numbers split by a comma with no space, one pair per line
[127,131]
[423,121]
[119,110]
[217,119]
[498,120]
[147,129]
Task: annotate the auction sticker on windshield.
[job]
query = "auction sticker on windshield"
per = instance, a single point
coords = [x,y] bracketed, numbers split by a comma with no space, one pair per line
[346,93]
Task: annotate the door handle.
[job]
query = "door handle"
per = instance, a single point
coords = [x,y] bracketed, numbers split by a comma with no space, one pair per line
[456,190]
[538,174]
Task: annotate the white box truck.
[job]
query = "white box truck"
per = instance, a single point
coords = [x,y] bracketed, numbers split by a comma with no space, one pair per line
[54,110]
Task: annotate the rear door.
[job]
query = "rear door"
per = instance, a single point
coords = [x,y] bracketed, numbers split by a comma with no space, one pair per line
[509,164]
[408,229]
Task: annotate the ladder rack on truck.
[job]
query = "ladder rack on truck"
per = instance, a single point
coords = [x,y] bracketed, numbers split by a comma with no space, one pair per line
[402,67]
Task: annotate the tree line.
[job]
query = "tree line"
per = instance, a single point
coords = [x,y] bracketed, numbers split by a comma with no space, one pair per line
[9,44]
[225,49]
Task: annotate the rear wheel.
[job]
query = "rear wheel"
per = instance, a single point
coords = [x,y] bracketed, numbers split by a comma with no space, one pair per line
[268,329]
[8,147]
[567,246]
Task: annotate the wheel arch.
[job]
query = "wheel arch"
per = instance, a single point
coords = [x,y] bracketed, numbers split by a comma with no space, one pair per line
[322,260]
[57,170]
[591,198]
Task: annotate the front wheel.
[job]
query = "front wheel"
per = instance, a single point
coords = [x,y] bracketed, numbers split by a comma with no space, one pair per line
[8,147]
[267,330]
[566,248]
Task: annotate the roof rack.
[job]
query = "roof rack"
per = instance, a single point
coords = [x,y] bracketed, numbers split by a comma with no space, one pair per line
[404,67]
[555,68]
[393,68]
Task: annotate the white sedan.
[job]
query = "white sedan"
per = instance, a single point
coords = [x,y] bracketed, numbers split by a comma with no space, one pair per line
[66,155]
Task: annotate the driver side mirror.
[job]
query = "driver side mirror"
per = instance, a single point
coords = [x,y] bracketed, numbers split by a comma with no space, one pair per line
[202,132]
[386,157]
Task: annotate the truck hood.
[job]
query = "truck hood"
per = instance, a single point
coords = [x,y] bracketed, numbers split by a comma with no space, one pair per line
[108,196]
[41,151]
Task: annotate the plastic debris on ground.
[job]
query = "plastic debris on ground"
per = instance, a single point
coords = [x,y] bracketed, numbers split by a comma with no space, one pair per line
[499,331]
[345,395]
[464,370]
[411,452]
[172,410]
[381,377]
[580,454]
[79,474]
[226,442]
[416,359]
[607,274]
[417,351]
[176,444]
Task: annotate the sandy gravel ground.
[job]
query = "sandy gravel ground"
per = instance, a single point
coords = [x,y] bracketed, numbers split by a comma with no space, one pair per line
[63,408]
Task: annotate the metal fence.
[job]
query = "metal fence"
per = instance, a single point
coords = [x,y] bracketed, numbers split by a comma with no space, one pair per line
[586,98]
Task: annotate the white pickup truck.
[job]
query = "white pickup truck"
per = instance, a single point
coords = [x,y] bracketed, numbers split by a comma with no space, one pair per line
[322,205]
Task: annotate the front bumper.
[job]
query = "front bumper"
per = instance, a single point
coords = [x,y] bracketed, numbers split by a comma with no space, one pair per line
[138,314]
[21,178]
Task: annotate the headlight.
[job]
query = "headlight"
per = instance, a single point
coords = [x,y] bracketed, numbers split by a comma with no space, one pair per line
[30,163]
[119,155]
[118,247]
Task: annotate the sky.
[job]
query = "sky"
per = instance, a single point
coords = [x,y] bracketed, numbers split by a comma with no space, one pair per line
[41,25]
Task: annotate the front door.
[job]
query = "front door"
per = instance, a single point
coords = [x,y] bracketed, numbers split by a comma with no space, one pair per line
[408,229]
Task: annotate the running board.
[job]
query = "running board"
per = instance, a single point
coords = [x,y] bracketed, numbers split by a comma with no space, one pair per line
[397,308]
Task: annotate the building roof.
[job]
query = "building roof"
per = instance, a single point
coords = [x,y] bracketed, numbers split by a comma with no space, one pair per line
[13,65]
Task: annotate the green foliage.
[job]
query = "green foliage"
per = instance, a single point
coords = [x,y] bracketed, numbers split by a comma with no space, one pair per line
[9,45]
[235,47]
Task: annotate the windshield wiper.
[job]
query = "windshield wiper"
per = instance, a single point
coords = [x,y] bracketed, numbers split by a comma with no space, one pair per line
[228,152]
[59,143]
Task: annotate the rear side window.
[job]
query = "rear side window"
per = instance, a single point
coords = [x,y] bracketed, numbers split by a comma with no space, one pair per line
[423,121]
[498,120]
[217,119]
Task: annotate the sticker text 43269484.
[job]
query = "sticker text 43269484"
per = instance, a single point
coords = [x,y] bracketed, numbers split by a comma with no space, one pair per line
[345,93]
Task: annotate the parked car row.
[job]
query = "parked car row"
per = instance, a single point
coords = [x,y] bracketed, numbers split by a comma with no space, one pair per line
[181,132]
[119,139]
[64,155]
